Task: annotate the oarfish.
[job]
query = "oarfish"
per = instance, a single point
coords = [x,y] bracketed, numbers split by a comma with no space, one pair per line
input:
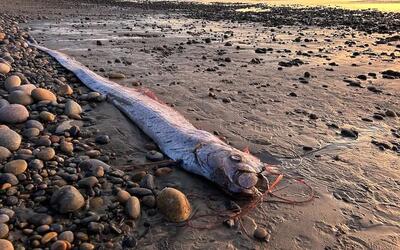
[199,152]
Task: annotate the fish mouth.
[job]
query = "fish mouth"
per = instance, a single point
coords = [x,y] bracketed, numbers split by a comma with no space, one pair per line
[248,183]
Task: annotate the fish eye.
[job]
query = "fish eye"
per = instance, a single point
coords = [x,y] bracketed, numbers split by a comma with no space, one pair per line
[236,158]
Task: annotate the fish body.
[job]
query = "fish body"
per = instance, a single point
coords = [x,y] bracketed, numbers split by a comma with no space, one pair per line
[199,151]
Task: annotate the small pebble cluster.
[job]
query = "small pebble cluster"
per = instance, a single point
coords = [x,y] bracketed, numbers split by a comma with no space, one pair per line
[58,188]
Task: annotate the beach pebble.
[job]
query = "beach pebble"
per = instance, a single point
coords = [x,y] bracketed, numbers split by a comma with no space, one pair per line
[16,167]
[92,96]
[47,116]
[6,245]
[95,227]
[148,182]
[9,138]
[139,192]
[91,163]
[34,124]
[173,204]
[26,88]
[3,231]
[6,211]
[154,156]
[115,75]
[93,153]
[48,237]
[132,207]
[39,219]
[351,133]
[72,109]
[138,176]
[43,229]
[20,97]
[8,178]
[46,154]
[149,201]
[30,132]
[123,196]
[12,82]
[40,94]
[67,236]
[86,246]
[4,153]
[65,89]
[162,171]
[88,182]
[102,139]
[4,68]
[390,113]
[67,199]
[60,245]
[97,171]
[13,113]
[67,147]
[260,233]
[64,126]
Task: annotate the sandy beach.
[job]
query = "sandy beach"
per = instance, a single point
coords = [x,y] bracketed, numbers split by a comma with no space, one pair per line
[314,92]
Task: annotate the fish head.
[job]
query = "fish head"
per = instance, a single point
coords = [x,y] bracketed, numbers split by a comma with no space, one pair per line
[236,171]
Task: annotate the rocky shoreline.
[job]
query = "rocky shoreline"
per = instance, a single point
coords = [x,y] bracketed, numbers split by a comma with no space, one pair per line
[57,190]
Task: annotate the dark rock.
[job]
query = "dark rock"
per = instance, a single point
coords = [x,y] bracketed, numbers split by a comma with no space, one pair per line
[139,192]
[349,133]
[102,139]
[67,199]
[148,182]
[39,219]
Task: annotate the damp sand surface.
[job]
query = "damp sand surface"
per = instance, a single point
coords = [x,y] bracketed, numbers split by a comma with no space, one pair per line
[289,91]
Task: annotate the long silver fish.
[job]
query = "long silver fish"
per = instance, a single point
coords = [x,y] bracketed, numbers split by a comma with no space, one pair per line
[199,152]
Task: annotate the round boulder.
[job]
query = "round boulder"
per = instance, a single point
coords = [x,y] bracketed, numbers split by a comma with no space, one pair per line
[173,204]
[16,167]
[133,207]
[72,109]
[12,82]
[4,68]
[67,199]
[4,153]
[13,113]
[9,138]
[20,97]
[46,154]
[6,245]
[34,124]
[40,94]
[47,116]
[26,88]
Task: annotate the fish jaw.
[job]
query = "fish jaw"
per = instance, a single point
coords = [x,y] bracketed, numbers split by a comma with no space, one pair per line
[235,171]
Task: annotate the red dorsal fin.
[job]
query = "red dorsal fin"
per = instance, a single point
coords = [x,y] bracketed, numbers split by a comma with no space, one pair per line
[149,93]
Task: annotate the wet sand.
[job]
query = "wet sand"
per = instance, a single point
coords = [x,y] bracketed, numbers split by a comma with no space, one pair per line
[289,91]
